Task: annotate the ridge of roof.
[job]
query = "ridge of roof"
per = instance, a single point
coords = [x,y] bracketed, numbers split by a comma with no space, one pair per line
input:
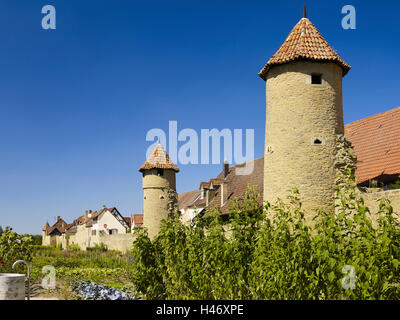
[372,116]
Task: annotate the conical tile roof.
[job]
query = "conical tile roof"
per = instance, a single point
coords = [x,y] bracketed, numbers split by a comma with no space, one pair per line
[304,42]
[158,159]
[46,226]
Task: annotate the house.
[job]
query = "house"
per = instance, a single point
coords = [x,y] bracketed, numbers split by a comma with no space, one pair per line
[52,236]
[136,220]
[87,230]
[218,191]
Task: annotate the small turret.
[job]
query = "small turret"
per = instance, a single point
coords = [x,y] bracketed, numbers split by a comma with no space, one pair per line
[159,189]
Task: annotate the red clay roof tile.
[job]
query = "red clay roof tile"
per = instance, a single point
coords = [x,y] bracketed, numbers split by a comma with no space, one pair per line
[376,142]
[158,159]
[304,42]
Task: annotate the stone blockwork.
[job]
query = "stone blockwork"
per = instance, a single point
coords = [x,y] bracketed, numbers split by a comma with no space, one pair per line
[119,242]
[345,160]
[157,203]
[302,124]
[372,199]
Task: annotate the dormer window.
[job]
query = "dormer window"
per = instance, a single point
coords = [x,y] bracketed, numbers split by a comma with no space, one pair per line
[316,78]
[202,193]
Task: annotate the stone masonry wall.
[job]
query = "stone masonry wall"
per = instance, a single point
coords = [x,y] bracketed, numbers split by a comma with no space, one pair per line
[119,242]
[372,200]
[298,113]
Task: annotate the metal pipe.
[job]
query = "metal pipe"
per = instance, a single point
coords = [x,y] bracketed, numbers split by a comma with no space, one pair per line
[29,274]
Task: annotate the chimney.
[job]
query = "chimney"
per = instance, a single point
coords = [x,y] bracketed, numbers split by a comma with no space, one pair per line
[225,169]
[224,192]
[58,218]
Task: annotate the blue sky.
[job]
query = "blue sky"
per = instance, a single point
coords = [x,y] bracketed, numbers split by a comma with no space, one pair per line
[76,102]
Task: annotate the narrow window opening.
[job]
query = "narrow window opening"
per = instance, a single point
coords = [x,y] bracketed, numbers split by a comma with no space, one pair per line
[316,78]
[160,172]
[317,142]
[162,197]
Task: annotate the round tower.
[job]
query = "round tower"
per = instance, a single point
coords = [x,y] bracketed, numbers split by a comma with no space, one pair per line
[304,118]
[159,189]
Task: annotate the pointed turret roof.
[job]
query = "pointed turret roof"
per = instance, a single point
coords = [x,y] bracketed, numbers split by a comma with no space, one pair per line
[158,159]
[305,43]
[46,226]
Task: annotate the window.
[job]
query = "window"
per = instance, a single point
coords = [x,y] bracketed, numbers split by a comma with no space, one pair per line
[160,172]
[316,78]
[317,142]
[270,149]
[162,197]
[93,232]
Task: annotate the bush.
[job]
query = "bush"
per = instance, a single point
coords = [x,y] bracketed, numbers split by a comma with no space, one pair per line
[73,248]
[395,185]
[98,247]
[270,252]
[14,247]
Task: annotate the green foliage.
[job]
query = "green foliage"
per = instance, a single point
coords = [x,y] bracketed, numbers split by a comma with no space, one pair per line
[98,247]
[14,247]
[109,267]
[73,248]
[36,239]
[395,185]
[273,252]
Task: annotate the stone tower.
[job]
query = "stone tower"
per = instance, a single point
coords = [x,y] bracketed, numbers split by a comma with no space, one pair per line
[159,188]
[304,118]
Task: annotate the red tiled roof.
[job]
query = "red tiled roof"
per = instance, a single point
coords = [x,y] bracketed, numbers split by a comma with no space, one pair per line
[46,226]
[187,198]
[128,221]
[60,226]
[304,42]
[138,219]
[376,142]
[158,159]
[237,185]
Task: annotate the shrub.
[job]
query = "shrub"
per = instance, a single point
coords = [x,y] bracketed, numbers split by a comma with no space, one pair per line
[14,247]
[395,185]
[73,248]
[270,252]
[98,247]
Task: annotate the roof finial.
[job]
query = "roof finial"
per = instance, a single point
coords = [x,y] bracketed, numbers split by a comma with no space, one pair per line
[304,11]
